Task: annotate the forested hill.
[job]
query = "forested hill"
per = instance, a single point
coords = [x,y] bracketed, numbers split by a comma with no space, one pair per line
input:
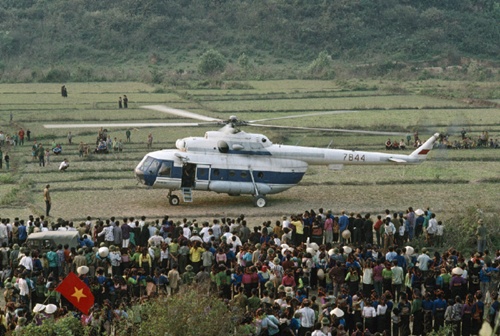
[48,32]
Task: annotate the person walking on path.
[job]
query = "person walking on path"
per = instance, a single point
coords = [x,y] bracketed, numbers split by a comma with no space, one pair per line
[150,141]
[48,201]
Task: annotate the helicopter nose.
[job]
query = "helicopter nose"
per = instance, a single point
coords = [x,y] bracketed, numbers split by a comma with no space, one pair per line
[139,175]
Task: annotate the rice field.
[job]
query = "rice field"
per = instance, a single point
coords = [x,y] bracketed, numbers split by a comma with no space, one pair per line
[104,185]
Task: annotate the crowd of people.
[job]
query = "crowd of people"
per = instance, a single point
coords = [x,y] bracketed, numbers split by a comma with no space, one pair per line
[314,273]
[445,142]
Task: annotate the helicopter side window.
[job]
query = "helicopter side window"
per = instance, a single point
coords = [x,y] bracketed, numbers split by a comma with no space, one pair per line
[202,172]
[165,169]
[216,172]
[260,175]
[244,174]
[232,173]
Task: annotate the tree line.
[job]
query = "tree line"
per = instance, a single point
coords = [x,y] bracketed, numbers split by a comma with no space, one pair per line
[118,32]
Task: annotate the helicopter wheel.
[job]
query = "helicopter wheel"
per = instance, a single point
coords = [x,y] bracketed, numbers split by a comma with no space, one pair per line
[173,200]
[260,201]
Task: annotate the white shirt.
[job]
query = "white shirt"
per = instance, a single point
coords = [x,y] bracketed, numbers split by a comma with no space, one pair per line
[3,231]
[432,227]
[390,229]
[63,165]
[216,230]
[204,233]
[423,262]
[27,262]
[307,317]
[186,232]
[440,230]
[23,287]
[369,311]
[381,310]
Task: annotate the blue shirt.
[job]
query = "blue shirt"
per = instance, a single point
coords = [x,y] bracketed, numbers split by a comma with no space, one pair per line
[439,304]
[343,222]
[22,233]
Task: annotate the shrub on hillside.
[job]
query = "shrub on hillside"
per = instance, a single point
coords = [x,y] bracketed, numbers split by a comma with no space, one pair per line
[56,75]
[212,62]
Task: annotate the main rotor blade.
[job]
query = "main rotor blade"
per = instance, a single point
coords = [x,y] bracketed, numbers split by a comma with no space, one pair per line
[125,125]
[305,115]
[331,130]
[180,113]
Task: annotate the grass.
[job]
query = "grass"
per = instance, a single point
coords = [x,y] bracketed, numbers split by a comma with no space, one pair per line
[104,185]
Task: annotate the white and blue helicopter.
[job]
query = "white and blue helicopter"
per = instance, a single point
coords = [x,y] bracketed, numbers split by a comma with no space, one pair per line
[237,163]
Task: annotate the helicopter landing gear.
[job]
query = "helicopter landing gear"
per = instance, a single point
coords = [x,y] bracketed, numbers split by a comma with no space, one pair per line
[260,201]
[173,199]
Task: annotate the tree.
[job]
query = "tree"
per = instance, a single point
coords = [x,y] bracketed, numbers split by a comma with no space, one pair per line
[211,63]
[322,65]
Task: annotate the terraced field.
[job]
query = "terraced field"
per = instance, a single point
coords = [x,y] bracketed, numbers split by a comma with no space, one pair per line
[104,185]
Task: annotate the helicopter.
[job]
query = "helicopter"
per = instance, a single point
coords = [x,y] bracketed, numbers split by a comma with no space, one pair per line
[234,162]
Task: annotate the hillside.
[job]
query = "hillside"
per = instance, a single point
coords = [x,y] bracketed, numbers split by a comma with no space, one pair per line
[47,33]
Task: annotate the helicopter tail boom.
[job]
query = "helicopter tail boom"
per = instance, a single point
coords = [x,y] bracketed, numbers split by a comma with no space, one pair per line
[421,152]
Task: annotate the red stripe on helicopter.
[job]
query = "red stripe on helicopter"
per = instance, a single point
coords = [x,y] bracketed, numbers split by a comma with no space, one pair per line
[423,152]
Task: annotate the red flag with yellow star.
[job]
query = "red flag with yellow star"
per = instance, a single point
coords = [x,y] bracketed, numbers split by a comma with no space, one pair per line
[76,292]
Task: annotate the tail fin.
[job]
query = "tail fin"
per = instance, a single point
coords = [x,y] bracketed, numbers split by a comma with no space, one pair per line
[421,152]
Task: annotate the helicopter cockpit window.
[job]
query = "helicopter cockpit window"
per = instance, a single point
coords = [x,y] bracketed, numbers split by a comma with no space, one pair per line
[223,146]
[145,164]
[165,169]
[153,169]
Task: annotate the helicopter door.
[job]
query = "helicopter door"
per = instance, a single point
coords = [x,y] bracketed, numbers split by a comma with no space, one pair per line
[202,177]
[188,175]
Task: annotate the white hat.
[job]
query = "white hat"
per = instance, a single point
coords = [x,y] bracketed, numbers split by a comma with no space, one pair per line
[310,250]
[314,246]
[82,270]
[321,274]
[457,271]
[331,252]
[419,212]
[347,249]
[50,308]
[409,250]
[38,308]
[337,312]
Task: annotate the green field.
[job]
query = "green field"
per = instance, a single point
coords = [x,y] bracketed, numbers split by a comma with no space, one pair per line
[104,185]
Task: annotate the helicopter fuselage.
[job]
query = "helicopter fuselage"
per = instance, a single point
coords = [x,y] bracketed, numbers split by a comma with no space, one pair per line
[244,163]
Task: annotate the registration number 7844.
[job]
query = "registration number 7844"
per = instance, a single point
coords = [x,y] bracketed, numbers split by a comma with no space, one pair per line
[354,157]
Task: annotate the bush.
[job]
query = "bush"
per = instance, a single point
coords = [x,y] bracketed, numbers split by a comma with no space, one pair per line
[191,312]
[68,325]
[322,65]
[56,75]
[212,62]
